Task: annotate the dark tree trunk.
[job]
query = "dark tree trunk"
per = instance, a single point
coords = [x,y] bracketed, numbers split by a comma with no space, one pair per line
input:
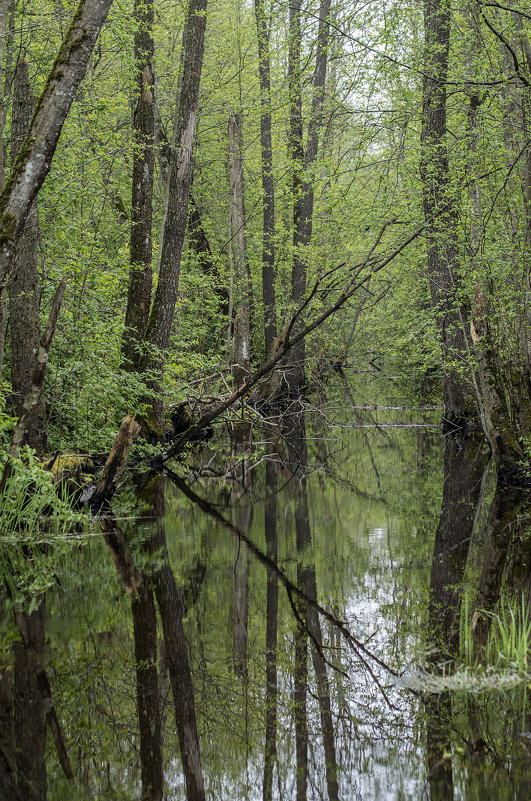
[303,162]
[23,285]
[139,292]
[441,214]
[5,7]
[158,329]
[268,186]
[502,525]
[35,156]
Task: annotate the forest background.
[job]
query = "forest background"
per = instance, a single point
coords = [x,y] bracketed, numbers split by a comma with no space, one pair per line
[361,169]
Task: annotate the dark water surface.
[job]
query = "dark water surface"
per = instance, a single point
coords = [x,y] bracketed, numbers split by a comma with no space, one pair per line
[193,645]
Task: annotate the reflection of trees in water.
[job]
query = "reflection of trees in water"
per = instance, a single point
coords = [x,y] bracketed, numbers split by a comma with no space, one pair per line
[485,730]
[308,624]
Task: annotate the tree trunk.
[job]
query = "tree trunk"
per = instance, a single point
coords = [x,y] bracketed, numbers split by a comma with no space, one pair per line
[5,6]
[242,291]
[140,247]
[35,391]
[304,162]
[35,156]
[116,461]
[158,329]
[268,186]
[440,213]
[23,285]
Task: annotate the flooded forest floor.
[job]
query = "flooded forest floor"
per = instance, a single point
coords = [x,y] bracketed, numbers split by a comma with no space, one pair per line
[340,612]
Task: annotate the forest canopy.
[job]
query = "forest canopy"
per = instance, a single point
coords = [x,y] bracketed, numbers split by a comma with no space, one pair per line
[223,177]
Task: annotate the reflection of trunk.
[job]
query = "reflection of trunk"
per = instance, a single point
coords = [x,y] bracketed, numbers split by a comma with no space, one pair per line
[271,632]
[502,520]
[240,588]
[307,581]
[30,721]
[242,289]
[170,602]
[23,285]
[140,247]
[439,747]
[300,685]
[240,574]
[464,465]
[147,692]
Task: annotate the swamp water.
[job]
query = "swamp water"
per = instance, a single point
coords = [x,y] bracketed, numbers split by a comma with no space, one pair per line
[193,639]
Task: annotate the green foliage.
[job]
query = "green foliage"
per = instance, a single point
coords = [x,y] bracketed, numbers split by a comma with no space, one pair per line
[37,525]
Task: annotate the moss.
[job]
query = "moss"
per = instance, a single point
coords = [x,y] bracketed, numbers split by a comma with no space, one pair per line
[8,224]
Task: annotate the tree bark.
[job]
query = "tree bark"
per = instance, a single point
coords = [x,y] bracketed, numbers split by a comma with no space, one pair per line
[158,329]
[35,156]
[268,186]
[304,162]
[5,6]
[140,247]
[441,214]
[116,461]
[35,390]
[241,365]
[23,285]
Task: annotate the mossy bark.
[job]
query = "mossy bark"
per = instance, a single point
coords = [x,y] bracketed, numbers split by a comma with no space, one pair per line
[35,156]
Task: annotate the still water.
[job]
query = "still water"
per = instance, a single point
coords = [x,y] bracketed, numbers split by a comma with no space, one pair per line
[257,631]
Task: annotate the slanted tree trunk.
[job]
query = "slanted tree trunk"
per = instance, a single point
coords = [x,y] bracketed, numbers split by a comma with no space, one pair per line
[157,335]
[5,6]
[440,213]
[268,186]
[23,286]
[241,353]
[140,247]
[35,156]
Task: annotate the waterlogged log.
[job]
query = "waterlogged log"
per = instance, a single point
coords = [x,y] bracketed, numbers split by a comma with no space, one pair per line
[117,460]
